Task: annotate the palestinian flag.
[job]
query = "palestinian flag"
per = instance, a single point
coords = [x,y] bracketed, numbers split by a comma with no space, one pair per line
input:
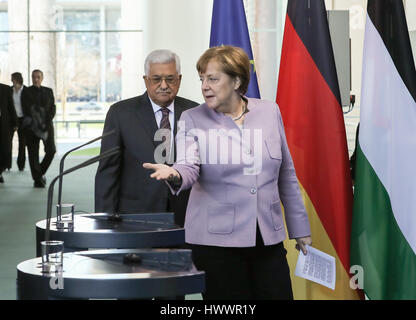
[309,100]
[383,237]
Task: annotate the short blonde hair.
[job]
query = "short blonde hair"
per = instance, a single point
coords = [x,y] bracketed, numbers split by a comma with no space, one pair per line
[232,60]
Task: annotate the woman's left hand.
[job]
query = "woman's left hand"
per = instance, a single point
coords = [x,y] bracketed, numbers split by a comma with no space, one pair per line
[302,242]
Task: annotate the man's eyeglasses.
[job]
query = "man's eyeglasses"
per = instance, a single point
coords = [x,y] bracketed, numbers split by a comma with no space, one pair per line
[170,80]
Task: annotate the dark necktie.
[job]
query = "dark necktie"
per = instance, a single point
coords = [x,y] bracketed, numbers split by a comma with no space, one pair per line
[165,124]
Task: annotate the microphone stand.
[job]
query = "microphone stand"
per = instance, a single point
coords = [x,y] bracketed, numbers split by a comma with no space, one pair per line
[61,165]
[108,153]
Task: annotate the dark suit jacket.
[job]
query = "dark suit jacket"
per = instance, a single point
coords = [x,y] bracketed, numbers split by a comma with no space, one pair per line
[122,185]
[46,102]
[8,120]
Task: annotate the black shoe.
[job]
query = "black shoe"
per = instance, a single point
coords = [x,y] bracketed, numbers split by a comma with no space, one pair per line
[21,169]
[39,184]
[1,179]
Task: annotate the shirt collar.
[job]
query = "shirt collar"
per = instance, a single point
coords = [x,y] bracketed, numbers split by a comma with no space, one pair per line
[156,108]
[18,91]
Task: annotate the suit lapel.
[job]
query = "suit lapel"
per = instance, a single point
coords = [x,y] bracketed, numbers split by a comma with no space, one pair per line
[179,108]
[144,112]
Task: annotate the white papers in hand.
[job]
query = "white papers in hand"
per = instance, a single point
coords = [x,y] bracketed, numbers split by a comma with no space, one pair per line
[316,266]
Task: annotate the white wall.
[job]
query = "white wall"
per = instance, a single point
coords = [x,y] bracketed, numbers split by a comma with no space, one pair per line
[410,7]
[182,26]
[42,45]
[133,15]
[413,42]
[17,41]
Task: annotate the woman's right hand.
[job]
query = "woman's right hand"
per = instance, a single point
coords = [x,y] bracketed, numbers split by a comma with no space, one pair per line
[163,172]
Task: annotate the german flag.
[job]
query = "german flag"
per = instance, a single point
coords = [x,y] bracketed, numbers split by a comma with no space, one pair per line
[309,99]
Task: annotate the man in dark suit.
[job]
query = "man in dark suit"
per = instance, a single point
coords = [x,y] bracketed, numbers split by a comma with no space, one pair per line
[122,185]
[8,122]
[39,109]
[17,90]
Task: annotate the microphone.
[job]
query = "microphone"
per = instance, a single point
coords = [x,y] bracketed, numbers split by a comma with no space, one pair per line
[61,164]
[105,154]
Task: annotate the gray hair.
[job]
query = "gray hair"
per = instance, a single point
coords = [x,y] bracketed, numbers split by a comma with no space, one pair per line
[161,56]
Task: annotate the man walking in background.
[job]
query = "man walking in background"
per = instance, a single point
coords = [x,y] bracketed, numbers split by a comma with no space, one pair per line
[39,110]
[17,88]
[8,123]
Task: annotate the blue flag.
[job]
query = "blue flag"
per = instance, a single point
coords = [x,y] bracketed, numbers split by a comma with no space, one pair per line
[229,27]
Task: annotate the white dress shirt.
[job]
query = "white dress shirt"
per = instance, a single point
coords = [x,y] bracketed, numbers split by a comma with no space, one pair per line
[18,102]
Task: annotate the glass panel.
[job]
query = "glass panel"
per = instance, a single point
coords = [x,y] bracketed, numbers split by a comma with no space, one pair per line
[113,66]
[81,49]
[78,69]
[4,21]
[85,74]
[4,48]
[81,20]
[78,47]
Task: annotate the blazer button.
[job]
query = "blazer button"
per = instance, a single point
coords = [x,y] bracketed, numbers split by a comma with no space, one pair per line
[253,190]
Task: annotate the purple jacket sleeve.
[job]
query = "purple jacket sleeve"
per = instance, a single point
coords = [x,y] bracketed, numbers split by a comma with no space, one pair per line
[295,214]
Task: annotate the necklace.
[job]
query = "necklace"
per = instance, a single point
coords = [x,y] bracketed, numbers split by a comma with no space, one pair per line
[242,113]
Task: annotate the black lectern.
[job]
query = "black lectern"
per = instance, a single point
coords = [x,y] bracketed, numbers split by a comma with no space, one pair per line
[99,231]
[106,274]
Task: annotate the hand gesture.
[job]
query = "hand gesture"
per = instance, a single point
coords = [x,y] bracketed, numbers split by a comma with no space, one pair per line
[163,172]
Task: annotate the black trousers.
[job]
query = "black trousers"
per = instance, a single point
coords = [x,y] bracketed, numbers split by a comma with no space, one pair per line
[259,272]
[37,168]
[21,156]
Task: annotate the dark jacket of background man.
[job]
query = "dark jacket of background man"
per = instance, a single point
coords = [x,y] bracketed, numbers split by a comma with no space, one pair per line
[8,121]
[17,91]
[39,109]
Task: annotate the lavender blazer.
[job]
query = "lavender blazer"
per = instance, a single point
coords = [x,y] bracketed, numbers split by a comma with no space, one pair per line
[238,177]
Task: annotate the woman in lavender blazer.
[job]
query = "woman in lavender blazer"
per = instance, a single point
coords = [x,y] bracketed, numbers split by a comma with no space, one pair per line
[233,152]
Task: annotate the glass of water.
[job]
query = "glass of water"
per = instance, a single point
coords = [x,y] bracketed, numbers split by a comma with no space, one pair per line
[52,255]
[65,216]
